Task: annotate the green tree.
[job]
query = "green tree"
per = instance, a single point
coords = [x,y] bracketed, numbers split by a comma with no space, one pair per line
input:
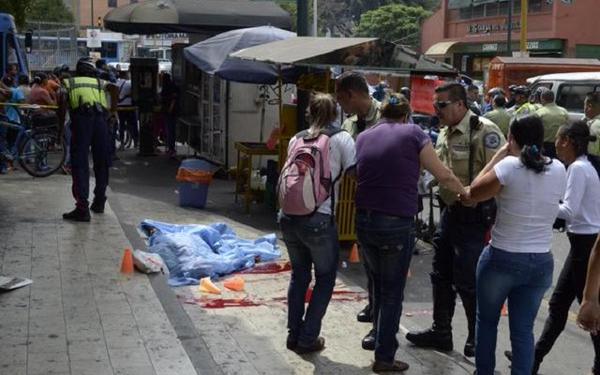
[49,11]
[395,22]
[18,8]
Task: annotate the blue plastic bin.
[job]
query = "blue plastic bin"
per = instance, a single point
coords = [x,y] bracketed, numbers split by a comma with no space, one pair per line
[194,194]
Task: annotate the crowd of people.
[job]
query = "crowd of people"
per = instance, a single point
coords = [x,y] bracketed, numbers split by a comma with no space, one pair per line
[508,172]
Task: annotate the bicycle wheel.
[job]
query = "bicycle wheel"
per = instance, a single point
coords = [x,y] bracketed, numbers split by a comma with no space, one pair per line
[42,154]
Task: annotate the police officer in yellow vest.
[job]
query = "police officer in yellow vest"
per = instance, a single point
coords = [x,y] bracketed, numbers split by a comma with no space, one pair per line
[465,144]
[522,105]
[89,112]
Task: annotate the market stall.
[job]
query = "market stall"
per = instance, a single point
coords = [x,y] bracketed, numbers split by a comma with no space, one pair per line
[370,54]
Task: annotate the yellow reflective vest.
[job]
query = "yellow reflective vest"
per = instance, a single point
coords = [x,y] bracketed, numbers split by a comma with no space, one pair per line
[85,91]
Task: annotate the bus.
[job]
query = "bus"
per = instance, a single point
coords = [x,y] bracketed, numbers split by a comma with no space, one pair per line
[11,50]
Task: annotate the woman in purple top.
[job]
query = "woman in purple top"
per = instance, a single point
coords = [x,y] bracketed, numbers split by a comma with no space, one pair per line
[389,158]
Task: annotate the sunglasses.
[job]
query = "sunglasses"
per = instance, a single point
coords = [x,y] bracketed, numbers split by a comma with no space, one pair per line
[442,105]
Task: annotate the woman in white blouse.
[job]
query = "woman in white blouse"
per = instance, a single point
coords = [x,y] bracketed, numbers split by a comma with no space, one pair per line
[581,211]
[517,265]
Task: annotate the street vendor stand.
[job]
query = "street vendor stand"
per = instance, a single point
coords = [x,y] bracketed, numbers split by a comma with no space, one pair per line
[350,53]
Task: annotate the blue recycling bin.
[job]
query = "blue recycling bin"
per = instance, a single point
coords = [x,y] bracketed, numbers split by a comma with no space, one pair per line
[193,193]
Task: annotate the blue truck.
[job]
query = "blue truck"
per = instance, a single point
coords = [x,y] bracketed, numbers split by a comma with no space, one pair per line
[11,50]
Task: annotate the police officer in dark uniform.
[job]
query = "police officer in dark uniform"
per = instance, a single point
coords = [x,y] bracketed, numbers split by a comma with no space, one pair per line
[465,144]
[89,112]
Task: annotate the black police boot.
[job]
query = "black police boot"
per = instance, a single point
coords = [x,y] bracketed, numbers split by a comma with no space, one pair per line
[471,313]
[365,315]
[368,342]
[98,205]
[439,336]
[77,215]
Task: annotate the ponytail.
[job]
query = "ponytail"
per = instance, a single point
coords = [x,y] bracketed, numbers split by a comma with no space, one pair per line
[533,159]
[528,133]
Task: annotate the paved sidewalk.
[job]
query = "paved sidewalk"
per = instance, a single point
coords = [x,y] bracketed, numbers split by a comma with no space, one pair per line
[80,315]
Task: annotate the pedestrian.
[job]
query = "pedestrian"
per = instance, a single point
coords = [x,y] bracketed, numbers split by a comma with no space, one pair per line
[489,98]
[473,99]
[168,95]
[88,110]
[580,208]
[553,117]
[517,264]
[466,143]
[498,115]
[127,118]
[389,156]
[591,108]
[308,185]
[589,312]
[352,93]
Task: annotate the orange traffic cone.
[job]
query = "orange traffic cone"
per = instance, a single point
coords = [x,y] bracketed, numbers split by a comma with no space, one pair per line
[235,283]
[504,311]
[207,286]
[127,262]
[354,258]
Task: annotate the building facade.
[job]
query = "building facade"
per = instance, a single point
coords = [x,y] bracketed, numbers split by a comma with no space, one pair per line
[82,10]
[469,33]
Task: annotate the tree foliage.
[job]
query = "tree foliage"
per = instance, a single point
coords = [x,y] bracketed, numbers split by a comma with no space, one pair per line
[395,22]
[36,10]
[18,9]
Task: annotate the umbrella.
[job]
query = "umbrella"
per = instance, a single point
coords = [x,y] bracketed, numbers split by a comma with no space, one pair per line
[211,55]
[194,16]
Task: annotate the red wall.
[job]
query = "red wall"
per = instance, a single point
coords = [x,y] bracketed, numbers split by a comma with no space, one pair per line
[578,23]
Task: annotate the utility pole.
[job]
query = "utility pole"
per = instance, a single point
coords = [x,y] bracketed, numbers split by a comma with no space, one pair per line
[509,34]
[92,10]
[523,42]
[303,95]
[315,17]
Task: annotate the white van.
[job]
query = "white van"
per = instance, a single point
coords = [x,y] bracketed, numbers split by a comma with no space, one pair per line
[569,89]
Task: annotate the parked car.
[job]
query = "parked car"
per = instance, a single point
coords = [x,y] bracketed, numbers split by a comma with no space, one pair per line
[569,89]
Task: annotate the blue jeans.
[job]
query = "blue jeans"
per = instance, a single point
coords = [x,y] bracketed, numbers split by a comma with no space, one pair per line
[310,240]
[523,278]
[387,243]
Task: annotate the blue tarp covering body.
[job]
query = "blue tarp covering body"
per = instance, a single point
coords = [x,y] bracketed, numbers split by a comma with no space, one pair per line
[192,252]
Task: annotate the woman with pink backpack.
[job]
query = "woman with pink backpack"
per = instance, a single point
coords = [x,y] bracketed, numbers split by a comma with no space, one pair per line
[307,188]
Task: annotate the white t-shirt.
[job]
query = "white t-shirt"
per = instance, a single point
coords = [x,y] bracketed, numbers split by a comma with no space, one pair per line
[342,155]
[581,204]
[527,205]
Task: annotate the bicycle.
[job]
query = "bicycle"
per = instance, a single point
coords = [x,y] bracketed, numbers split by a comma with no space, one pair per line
[41,150]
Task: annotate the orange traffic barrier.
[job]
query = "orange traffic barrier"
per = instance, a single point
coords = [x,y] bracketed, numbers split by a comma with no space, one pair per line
[504,311]
[207,286]
[354,258]
[127,262]
[235,283]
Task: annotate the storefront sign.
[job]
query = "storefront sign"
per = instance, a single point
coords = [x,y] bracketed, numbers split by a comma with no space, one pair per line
[481,28]
[489,47]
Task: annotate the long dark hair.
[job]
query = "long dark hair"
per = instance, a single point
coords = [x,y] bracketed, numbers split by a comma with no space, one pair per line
[579,135]
[528,132]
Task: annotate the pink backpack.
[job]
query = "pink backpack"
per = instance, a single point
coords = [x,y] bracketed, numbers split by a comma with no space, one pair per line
[305,181]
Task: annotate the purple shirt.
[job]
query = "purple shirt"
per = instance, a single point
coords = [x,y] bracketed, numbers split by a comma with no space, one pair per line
[387,156]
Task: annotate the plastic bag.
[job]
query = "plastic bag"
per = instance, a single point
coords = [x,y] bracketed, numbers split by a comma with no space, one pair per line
[149,262]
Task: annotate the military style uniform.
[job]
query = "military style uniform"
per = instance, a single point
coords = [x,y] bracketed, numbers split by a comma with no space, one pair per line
[523,110]
[553,117]
[500,117]
[352,124]
[461,235]
[88,110]
[594,147]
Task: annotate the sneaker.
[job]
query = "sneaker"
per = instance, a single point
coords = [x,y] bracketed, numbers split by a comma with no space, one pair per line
[97,206]
[316,346]
[396,366]
[77,215]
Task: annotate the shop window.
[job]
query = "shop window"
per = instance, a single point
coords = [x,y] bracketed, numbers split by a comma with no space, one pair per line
[571,97]
[477,11]
[465,13]
[491,9]
[109,50]
[535,6]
